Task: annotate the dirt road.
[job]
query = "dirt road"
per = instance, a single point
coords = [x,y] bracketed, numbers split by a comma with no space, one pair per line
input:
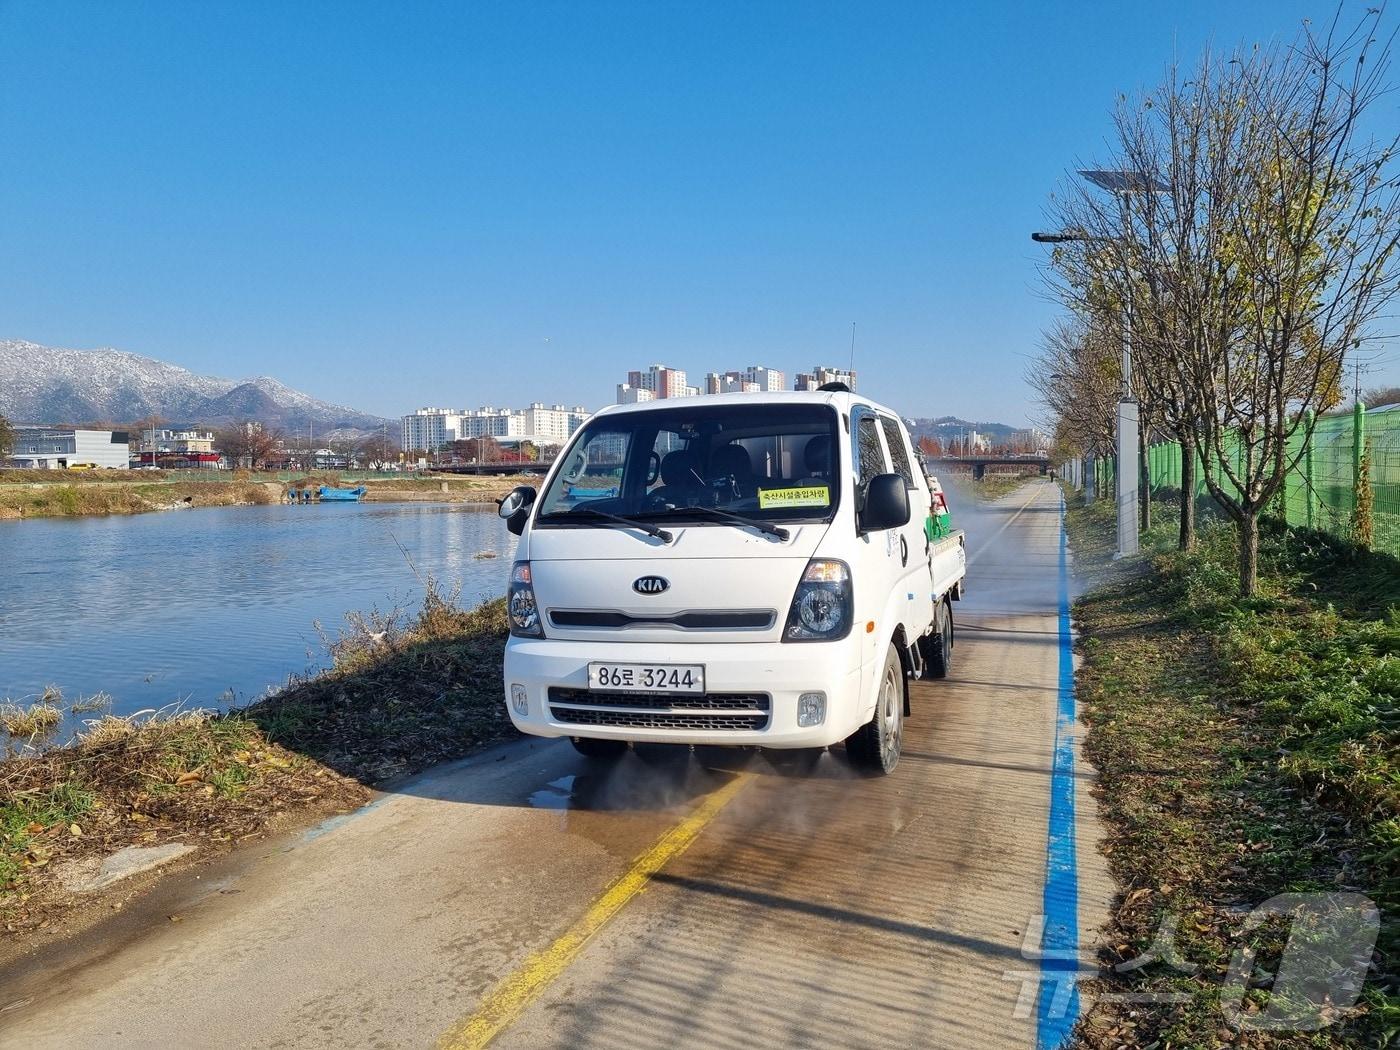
[528,898]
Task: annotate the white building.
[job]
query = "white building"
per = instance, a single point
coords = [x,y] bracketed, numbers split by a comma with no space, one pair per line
[44,448]
[553,425]
[823,374]
[433,429]
[729,383]
[430,428]
[661,380]
[627,394]
[188,440]
[765,378]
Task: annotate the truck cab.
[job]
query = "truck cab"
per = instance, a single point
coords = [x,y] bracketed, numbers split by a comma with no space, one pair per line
[740,569]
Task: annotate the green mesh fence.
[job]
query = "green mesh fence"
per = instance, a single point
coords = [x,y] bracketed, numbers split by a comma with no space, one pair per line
[1320,491]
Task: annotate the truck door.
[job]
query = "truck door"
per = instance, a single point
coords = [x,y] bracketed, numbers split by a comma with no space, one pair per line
[876,568]
[916,576]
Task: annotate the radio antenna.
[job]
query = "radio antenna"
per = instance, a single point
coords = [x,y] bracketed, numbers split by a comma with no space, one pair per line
[852,366]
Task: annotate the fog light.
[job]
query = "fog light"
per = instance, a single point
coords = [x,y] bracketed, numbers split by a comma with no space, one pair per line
[811,709]
[519,699]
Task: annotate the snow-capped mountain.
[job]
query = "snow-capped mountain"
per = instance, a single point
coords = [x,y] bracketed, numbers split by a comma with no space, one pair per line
[43,384]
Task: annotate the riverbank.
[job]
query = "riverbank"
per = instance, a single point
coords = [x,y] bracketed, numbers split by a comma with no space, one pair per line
[400,696]
[39,494]
[1244,749]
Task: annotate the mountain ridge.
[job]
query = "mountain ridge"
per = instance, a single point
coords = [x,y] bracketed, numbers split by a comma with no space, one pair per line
[44,384]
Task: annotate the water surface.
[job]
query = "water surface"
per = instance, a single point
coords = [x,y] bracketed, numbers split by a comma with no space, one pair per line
[211,607]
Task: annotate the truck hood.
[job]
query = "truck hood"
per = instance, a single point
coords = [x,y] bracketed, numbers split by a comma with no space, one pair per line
[723,584]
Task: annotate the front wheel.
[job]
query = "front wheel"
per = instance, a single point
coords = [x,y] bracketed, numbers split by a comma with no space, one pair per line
[601,750]
[875,745]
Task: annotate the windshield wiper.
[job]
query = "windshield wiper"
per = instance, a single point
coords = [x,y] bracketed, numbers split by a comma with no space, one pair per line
[631,523]
[736,519]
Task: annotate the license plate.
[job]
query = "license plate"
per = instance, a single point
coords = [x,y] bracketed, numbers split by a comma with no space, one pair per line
[647,678]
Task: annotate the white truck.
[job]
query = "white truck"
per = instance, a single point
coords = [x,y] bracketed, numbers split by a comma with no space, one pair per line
[761,570]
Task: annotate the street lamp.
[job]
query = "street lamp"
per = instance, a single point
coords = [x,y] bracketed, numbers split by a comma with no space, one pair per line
[1120,184]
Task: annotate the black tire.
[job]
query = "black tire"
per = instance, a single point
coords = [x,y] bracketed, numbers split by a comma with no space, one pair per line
[600,750]
[874,747]
[938,647]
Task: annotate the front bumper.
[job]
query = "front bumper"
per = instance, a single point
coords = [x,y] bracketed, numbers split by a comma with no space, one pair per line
[779,672]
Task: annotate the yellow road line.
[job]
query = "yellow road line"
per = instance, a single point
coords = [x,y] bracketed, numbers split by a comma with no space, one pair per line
[513,994]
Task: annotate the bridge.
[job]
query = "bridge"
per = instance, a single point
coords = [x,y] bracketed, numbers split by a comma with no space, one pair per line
[979,464]
[498,469]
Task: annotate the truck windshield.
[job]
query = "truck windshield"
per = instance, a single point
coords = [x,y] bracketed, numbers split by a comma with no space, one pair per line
[763,461]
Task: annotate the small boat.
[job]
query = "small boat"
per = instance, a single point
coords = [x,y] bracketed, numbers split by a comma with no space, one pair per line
[333,495]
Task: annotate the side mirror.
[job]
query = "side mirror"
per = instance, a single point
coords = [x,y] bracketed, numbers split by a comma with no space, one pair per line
[886,504]
[515,507]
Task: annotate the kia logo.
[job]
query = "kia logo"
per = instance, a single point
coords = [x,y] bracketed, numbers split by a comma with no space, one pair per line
[650,584]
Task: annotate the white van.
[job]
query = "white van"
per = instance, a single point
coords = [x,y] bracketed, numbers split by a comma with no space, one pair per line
[739,569]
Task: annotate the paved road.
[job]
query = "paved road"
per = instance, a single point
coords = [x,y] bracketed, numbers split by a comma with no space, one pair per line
[772,909]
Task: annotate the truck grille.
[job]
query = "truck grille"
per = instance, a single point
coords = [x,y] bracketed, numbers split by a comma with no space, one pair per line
[742,620]
[722,711]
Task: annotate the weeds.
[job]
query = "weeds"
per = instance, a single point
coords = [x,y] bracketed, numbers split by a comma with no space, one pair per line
[402,693]
[195,777]
[29,721]
[87,705]
[1245,747]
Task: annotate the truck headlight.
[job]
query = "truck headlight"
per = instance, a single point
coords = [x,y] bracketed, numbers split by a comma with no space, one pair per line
[811,710]
[521,610]
[822,608]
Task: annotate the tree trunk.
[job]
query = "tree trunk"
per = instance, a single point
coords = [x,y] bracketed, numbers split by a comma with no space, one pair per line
[1186,535]
[1249,553]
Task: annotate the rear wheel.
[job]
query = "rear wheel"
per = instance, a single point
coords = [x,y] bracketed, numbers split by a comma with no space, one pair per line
[875,745]
[939,651]
[602,750]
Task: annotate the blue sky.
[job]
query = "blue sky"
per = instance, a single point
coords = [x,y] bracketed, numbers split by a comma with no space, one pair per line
[392,205]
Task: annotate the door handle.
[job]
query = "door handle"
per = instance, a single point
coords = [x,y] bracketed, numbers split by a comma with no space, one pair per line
[903,551]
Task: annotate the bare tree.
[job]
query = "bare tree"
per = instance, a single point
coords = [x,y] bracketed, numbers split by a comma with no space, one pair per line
[1256,259]
[1076,376]
[1381,395]
[7,437]
[378,448]
[1311,241]
[248,443]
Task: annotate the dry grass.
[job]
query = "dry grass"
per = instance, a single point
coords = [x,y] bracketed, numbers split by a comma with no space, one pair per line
[1244,749]
[206,781]
[133,497]
[403,692]
[31,720]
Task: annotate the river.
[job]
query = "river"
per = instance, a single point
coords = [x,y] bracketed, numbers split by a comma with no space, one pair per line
[212,607]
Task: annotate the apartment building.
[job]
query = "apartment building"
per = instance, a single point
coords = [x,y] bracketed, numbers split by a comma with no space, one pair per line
[820,375]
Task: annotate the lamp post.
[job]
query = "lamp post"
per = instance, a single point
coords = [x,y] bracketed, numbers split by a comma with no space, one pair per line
[1121,184]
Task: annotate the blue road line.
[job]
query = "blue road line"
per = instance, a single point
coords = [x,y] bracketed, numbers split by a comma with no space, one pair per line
[1057,1007]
